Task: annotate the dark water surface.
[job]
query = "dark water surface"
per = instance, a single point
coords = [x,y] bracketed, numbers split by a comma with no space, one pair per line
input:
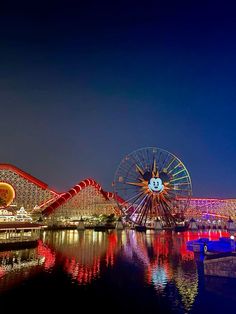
[120,271]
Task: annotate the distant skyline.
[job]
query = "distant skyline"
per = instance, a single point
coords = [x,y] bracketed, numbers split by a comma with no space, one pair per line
[84,84]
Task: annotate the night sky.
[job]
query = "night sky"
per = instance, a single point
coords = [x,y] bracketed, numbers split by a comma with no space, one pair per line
[83,83]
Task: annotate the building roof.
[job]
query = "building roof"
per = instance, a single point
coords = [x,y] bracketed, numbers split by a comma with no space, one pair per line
[19,225]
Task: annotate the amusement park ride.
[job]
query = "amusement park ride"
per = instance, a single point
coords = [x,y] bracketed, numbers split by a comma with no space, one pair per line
[152,184]
[152,189]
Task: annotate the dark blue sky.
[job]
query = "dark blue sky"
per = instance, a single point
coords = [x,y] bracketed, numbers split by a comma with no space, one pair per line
[83,84]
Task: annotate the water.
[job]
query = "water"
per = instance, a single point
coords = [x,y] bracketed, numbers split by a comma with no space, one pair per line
[116,272]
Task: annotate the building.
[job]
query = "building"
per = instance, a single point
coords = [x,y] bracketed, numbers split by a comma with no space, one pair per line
[19,189]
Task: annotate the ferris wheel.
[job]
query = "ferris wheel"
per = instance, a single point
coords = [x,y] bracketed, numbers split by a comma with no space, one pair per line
[151,183]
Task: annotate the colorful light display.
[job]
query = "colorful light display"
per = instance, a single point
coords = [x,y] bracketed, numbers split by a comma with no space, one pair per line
[7,194]
[88,197]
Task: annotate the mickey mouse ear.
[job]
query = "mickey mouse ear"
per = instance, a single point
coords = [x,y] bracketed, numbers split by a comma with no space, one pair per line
[164,177]
[147,175]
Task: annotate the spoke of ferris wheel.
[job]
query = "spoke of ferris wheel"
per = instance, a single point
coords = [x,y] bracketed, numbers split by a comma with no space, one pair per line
[142,213]
[131,177]
[177,188]
[163,211]
[167,200]
[155,208]
[139,169]
[145,217]
[137,197]
[127,177]
[125,164]
[144,209]
[175,174]
[125,168]
[167,212]
[177,184]
[139,162]
[128,165]
[173,180]
[133,167]
[144,160]
[176,166]
[171,162]
[143,205]
[163,162]
[148,158]
[174,190]
[170,190]
[129,208]
[139,205]
[135,183]
[154,167]
[159,160]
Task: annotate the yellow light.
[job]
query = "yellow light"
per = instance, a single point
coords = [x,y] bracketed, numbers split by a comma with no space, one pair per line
[7,194]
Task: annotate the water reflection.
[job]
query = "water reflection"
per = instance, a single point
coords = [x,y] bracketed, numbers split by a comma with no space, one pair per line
[158,262]
[82,253]
[163,257]
[18,265]
[166,261]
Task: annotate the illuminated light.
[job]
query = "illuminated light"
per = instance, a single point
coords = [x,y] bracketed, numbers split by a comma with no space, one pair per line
[204,199]
[24,175]
[80,188]
[7,194]
[83,184]
[155,185]
[226,206]
[232,237]
[175,174]
[45,203]
[184,177]
[215,215]
[69,192]
[179,164]
[135,183]
[169,165]
[139,170]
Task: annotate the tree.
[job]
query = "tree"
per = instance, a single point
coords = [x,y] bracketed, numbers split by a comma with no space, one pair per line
[110,218]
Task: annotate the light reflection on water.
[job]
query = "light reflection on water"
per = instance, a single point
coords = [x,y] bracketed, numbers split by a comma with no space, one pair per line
[156,265]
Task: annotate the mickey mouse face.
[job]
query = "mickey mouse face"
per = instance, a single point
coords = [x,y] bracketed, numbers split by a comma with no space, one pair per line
[155,185]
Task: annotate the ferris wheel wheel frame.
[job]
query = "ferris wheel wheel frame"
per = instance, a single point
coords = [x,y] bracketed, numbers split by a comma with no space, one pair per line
[152,182]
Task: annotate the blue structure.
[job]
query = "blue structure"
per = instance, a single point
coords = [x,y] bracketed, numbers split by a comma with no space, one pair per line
[204,245]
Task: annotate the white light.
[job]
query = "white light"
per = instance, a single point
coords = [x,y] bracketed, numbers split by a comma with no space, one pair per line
[232,237]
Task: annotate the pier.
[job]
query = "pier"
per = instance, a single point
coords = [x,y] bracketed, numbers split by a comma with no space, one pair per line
[19,234]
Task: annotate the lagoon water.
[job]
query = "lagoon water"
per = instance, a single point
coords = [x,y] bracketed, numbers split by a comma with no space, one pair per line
[113,272]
